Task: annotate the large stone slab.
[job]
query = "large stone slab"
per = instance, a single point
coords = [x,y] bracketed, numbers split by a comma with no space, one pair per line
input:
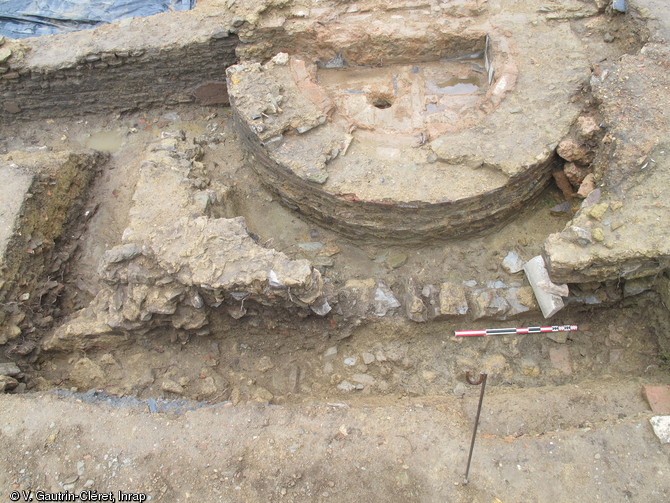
[16,183]
[549,296]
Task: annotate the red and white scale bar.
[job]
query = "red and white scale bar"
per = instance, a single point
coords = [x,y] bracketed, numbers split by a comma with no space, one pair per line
[522,330]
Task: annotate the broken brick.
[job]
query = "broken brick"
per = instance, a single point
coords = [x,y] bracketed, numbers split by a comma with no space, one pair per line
[658,398]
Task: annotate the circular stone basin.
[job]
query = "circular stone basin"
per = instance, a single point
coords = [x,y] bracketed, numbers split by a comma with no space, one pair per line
[418,148]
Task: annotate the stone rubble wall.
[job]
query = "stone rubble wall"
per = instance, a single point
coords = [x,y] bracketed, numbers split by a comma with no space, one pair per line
[175,263]
[121,73]
[620,231]
[464,302]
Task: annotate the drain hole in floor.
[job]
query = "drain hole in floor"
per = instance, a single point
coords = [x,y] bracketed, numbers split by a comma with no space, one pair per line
[381,101]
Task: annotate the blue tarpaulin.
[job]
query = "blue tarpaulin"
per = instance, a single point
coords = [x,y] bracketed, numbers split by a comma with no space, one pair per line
[31,18]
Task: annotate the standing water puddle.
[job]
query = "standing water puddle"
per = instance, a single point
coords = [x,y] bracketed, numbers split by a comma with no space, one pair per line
[105,141]
[456,86]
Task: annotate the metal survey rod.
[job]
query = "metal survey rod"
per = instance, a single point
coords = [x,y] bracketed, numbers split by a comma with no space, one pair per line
[482,381]
[521,330]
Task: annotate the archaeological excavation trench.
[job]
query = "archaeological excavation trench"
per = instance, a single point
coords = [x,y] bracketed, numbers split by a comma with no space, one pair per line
[279,204]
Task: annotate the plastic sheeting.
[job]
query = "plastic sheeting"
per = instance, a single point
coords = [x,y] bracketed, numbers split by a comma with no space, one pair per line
[31,18]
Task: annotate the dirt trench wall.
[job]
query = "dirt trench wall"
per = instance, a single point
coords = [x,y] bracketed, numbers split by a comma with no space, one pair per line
[49,193]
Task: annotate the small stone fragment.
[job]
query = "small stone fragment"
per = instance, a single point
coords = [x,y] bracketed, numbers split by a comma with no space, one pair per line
[350,361]
[597,211]
[320,306]
[7,383]
[452,301]
[658,398]
[9,369]
[574,173]
[512,263]
[13,331]
[564,207]
[572,151]
[384,300]
[368,358]
[521,300]
[593,198]
[616,205]
[580,235]
[431,298]
[262,395]
[563,183]
[172,387]
[347,386]
[488,304]
[414,306]
[598,235]
[587,127]
[5,54]
[661,425]
[608,38]
[587,186]
[396,260]
[331,352]
[280,59]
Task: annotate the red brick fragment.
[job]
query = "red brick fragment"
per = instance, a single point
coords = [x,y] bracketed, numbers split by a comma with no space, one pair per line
[658,398]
